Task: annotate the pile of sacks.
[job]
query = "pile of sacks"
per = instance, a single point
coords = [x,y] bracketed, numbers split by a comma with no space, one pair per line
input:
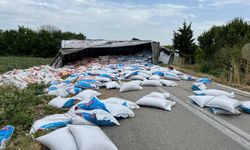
[86,110]
[218,101]
[141,57]
[115,76]
[91,75]
[78,127]
[21,78]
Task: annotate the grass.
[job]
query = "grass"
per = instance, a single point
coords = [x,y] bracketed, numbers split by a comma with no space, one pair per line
[21,108]
[10,63]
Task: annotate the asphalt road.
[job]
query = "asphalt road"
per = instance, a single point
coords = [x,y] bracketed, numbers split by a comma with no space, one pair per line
[186,127]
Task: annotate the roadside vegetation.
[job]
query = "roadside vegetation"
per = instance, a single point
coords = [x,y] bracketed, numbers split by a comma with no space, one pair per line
[21,108]
[9,63]
[219,51]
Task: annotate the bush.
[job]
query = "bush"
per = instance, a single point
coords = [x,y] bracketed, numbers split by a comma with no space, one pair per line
[27,42]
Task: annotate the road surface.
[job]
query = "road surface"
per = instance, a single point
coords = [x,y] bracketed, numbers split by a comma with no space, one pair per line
[186,127]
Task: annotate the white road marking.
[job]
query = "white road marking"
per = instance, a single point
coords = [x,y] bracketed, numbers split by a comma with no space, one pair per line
[232,88]
[233,132]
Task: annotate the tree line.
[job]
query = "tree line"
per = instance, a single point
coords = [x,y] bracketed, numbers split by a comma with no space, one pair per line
[44,42]
[218,50]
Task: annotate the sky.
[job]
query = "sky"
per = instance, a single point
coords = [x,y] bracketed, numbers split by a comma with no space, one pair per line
[122,19]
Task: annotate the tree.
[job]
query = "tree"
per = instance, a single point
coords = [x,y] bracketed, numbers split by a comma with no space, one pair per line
[25,42]
[45,42]
[49,28]
[221,49]
[184,42]
[246,55]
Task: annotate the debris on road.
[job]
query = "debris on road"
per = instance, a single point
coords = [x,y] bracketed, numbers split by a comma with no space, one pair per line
[214,92]
[201,100]
[204,80]
[218,111]
[198,86]
[77,93]
[97,117]
[74,87]
[120,101]
[245,106]
[219,102]
[156,101]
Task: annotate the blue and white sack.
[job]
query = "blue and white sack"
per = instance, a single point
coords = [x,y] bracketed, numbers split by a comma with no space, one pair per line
[245,106]
[60,102]
[171,76]
[99,117]
[204,80]
[86,85]
[198,86]
[51,122]
[73,90]
[159,73]
[5,135]
[91,104]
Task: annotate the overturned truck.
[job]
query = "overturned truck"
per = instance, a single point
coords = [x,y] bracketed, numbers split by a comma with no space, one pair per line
[79,50]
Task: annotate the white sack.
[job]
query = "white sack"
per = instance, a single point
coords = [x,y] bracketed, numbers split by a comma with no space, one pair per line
[218,111]
[59,92]
[59,102]
[171,76]
[102,79]
[119,110]
[201,100]
[91,138]
[137,77]
[130,86]
[151,83]
[214,92]
[87,94]
[136,81]
[120,101]
[224,102]
[60,139]
[154,77]
[78,120]
[111,85]
[168,82]
[159,95]
[156,102]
